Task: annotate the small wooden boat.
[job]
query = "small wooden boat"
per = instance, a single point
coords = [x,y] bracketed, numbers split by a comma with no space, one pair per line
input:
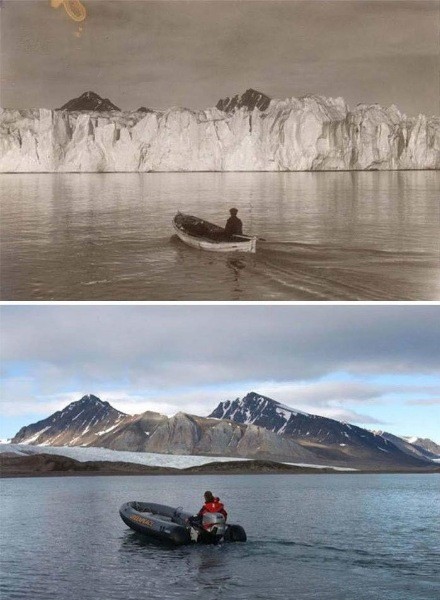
[201,234]
[177,527]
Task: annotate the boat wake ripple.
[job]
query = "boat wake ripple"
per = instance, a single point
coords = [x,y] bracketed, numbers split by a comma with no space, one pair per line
[323,272]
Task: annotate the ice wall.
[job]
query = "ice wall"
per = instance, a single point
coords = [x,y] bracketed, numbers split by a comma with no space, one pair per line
[310,133]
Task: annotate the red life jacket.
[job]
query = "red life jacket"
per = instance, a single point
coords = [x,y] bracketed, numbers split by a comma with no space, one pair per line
[214,507]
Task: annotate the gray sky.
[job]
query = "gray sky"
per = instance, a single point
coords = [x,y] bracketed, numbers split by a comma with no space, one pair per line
[376,366]
[191,53]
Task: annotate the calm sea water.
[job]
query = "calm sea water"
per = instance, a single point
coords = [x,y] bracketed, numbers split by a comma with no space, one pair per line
[331,236]
[322,537]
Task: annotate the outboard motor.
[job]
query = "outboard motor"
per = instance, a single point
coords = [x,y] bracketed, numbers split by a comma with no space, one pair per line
[214,524]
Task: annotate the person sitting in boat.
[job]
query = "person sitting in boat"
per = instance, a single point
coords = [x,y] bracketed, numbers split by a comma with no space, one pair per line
[212,505]
[233,225]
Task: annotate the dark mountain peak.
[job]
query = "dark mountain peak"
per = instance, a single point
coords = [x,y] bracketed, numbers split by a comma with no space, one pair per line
[333,439]
[91,398]
[144,110]
[251,93]
[257,409]
[254,396]
[250,99]
[90,101]
[90,94]
[89,406]
[88,400]
[82,420]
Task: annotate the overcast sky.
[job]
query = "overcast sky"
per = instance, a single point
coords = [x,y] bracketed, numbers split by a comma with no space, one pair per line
[375,366]
[191,53]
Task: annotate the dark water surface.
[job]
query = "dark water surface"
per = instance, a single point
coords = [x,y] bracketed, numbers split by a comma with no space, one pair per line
[326,537]
[331,236]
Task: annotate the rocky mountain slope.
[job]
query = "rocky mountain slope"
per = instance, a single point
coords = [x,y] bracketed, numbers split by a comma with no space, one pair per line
[91,422]
[327,438]
[424,444]
[189,434]
[412,448]
[81,423]
[251,99]
[249,132]
[254,427]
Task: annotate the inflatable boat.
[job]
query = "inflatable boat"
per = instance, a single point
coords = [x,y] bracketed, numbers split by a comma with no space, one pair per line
[203,235]
[178,527]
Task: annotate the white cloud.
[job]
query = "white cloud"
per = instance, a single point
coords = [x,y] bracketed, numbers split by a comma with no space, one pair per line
[161,346]
[189,358]
[322,393]
[423,402]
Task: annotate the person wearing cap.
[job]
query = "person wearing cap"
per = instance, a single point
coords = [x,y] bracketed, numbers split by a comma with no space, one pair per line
[233,225]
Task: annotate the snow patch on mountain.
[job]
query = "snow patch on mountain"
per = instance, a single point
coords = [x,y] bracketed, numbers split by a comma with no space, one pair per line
[250,409]
[81,422]
[318,433]
[424,448]
[425,443]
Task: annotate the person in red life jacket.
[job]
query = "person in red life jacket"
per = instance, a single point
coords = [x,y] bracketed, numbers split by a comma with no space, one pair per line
[212,505]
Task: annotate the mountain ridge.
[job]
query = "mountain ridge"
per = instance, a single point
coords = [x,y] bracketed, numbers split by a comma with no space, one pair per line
[252,427]
[86,420]
[328,438]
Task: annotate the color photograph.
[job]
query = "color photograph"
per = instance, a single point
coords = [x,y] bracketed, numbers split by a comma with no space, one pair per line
[220,452]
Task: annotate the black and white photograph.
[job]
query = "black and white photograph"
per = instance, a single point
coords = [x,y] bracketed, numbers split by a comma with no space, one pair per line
[224,150]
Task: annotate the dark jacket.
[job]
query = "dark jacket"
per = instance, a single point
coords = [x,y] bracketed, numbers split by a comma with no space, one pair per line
[233,226]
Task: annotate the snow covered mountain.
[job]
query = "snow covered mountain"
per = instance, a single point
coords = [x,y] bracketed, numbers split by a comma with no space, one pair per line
[89,101]
[79,424]
[250,132]
[92,422]
[189,434]
[424,444]
[327,438]
[252,427]
[410,445]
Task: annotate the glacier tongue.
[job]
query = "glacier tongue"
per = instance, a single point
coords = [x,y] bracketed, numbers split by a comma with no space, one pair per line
[310,133]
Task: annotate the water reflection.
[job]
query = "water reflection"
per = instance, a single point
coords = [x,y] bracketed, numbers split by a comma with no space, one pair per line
[132,540]
[204,566]
[209,567]
[330,236]
[321,537]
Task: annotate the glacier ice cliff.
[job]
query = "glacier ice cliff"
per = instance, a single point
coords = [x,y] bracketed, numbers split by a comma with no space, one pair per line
[309,133]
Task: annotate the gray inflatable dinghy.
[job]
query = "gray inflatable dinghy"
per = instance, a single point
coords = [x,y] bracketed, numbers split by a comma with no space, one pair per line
[178,527]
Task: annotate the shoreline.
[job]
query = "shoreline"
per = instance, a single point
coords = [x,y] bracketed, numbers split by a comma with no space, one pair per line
[48,465]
